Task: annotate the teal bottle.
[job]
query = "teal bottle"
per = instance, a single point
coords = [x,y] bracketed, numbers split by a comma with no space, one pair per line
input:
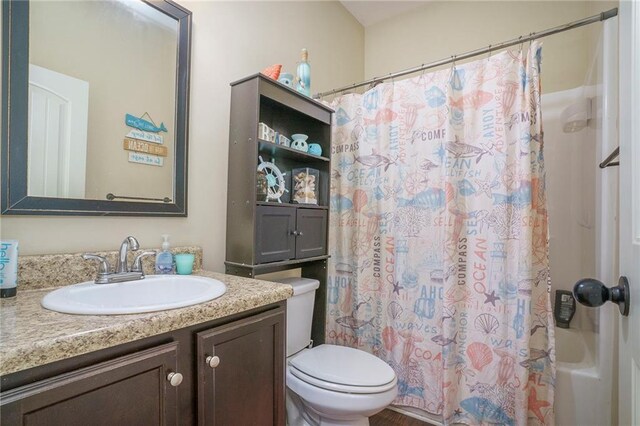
[304,75]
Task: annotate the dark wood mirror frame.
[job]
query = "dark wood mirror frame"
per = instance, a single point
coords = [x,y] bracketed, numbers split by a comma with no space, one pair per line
[15,81]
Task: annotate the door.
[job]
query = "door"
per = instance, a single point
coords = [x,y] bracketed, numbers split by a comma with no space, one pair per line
[240,368]
[58,114]
[311,233]
[275,233]
[629,349]
[130,390]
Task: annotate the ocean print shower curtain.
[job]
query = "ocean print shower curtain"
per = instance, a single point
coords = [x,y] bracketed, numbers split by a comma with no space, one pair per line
[439,239]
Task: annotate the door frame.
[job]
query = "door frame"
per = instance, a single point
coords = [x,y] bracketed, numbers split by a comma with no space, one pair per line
[629,236]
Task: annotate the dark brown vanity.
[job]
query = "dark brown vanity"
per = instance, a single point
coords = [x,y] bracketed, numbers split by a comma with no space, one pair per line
[220,362]
[223,372]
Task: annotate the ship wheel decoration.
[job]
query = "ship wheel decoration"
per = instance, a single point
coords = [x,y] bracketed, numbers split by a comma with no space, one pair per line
[275,180]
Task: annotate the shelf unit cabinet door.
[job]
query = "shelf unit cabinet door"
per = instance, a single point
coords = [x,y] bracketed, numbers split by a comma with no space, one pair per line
[130,390]
[311,225]
[275,240]
[246,385]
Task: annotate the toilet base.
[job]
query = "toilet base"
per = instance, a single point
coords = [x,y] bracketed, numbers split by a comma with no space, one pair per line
[297,415]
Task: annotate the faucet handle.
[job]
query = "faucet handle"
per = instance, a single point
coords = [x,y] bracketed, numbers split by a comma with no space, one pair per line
[137,261]
[103,263]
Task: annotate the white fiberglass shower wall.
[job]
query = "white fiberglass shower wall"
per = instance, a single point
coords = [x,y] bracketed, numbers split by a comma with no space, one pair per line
[579,132]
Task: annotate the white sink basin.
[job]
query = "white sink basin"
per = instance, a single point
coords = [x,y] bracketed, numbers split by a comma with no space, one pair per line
[153,293]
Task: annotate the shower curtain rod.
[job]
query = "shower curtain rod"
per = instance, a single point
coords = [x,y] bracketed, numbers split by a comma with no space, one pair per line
[522,39]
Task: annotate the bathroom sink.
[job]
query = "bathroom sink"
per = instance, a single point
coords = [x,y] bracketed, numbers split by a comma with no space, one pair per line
[153,293]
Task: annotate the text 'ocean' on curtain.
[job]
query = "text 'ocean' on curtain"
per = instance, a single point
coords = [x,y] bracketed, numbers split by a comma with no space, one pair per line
[439,239]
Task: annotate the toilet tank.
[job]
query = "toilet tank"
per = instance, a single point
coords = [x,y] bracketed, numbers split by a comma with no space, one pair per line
[299,313]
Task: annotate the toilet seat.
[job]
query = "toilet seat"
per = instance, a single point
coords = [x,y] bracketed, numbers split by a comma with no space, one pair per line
[342,369]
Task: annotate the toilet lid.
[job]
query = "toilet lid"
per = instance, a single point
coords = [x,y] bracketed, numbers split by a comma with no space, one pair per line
[343,366]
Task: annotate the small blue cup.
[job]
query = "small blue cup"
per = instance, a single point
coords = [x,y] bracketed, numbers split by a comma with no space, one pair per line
[184,263]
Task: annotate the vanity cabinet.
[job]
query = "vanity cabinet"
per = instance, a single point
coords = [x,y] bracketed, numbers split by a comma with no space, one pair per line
[241,372]
[285,233]
[129,390]
[136,383]
[266,236]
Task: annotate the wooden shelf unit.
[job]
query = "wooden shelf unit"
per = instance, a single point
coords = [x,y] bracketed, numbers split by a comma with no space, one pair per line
[264,237]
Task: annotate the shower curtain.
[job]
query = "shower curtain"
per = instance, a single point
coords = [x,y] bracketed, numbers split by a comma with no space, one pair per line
[439,239]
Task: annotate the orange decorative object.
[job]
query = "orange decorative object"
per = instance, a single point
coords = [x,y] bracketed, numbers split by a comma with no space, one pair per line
[273,71]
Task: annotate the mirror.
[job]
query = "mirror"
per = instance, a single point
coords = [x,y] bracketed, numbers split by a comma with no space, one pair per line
[95,99]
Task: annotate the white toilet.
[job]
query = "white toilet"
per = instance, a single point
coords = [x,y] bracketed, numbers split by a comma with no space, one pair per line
[328,384]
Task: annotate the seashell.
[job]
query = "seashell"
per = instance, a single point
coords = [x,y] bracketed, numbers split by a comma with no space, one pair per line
[394,310]
[480,355]
[506,368]
[359,200]
[273,71]
[486,323]
[389,338]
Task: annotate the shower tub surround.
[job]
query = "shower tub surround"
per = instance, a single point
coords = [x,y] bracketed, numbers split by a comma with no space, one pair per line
[32,336]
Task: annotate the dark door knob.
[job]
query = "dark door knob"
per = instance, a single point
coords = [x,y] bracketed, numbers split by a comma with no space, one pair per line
[593,293]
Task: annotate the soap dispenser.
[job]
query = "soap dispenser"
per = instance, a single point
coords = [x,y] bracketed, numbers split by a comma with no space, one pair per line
[164,259]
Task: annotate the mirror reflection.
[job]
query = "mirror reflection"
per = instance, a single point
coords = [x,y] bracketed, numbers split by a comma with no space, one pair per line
[102,101]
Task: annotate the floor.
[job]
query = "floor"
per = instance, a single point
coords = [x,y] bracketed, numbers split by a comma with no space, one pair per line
[392,418]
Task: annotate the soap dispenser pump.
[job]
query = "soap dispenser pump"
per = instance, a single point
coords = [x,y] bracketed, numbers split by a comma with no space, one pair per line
[164,259]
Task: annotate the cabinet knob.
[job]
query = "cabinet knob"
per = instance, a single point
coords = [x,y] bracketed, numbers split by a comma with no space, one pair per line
[294,233]
[213,361]
[299,233]
[174,379]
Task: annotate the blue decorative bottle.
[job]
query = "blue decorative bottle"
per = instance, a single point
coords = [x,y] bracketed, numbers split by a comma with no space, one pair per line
[304,75]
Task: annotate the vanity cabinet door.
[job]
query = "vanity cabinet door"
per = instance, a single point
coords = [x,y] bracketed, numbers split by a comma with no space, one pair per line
[240,372]
[130,390]
[275,238]
[311,225]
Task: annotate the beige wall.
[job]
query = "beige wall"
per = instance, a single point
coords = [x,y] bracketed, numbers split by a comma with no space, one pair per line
[230,40]
[235,39]
[443,28]
[129,62]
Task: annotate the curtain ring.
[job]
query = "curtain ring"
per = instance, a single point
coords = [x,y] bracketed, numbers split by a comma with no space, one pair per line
[489,57]
[521,43]
[531,39]
[453,61]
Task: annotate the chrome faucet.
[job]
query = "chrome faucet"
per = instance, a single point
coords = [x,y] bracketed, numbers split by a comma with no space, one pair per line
[129,243]
[122,271]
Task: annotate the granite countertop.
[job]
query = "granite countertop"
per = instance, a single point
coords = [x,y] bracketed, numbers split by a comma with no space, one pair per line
[31,335]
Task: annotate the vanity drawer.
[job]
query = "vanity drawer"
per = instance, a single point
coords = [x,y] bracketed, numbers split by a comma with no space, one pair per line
[129,390]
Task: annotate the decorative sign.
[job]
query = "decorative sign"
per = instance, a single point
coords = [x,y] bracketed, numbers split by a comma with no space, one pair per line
[146,136]
[145,147]
[142,124]
[151,160]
